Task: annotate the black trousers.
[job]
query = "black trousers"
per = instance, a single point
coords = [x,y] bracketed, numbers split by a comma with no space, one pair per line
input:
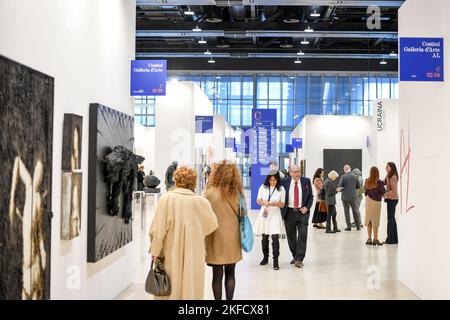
[296,225]
[392,237]
[331,217]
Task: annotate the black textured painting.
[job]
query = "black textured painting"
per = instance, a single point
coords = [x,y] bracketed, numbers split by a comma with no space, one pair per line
[111,165]
[26,122]
[72,136]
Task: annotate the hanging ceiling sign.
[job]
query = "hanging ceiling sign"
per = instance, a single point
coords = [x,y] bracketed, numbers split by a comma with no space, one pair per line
[148,77]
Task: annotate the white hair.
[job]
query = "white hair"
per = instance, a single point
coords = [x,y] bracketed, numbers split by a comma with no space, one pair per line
[333,174]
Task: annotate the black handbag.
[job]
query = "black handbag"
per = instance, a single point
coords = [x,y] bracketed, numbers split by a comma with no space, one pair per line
[158,283]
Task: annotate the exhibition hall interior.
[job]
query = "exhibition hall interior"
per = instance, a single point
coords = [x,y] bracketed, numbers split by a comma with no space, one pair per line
[212,150]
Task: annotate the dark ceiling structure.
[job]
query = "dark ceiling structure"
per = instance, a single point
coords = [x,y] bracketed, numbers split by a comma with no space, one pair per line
[341,35]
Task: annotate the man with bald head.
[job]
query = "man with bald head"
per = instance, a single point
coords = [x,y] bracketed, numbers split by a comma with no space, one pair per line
[295,214]
[349,185]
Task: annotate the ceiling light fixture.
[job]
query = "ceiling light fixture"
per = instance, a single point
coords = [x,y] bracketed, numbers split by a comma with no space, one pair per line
[383,62]
[197,29]
[305,41]
[189,13]
[393,54]
[315,14]
[211,60]
[309,29]
[202,41]
[297,61]
[300,53]
[207,52]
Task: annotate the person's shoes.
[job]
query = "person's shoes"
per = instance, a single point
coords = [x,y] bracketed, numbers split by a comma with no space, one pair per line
[377,243]
[299,264]
[369,242]
[315,225]
[293,261]
[337,230]
[321,227]
[329,231]
[275,264]
[353,225]
[361,226]
[358,229]
[264,261]
[348,229]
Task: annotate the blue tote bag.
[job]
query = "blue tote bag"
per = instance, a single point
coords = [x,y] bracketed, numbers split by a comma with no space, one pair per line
[245,226]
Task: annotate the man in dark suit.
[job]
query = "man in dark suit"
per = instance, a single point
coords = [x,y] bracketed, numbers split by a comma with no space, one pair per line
[298,202]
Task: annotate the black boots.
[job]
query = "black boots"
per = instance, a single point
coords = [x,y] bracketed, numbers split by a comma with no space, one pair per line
[265,250]
[276,251]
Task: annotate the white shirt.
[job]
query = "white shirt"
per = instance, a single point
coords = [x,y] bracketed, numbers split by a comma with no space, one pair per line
[291,194]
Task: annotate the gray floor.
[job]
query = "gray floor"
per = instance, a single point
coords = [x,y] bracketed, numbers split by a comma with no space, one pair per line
[337,266]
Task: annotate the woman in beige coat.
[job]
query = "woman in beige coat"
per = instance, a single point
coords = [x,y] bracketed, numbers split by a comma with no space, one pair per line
[181,222]
[223,246]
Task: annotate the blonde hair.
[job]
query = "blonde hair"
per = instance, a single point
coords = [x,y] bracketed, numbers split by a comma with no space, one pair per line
[226,177]
[185,178]
[332,174]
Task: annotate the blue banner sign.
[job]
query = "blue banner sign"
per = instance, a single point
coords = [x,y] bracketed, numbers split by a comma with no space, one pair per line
[148,77]
[230,143]
[264,123]
[421,59]
[297,143]
[204,124]
[289,148]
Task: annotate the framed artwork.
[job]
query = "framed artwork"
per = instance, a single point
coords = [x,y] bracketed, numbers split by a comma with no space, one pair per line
[72,139]
[110,181]
[26,120]
[71,205]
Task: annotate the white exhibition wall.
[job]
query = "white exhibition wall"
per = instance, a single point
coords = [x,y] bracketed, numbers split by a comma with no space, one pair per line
[144,145]
[424,259]
[385,135]
[332,132]
[86,45]
[175,125]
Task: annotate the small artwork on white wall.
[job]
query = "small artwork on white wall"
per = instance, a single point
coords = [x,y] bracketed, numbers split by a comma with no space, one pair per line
[71,205]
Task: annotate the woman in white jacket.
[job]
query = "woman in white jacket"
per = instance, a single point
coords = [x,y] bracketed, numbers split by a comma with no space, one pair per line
[271,197]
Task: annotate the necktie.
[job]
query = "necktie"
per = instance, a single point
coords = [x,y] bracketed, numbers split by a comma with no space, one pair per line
[296,204]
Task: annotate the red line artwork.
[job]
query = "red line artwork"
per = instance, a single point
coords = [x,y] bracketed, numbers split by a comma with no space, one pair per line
[405,162]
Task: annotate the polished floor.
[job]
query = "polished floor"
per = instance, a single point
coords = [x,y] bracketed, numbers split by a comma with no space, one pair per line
[337,266]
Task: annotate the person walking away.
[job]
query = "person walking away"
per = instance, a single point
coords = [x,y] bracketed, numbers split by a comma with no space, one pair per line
[223,246]
[271,197]
[359,195]
[348,185]
[320,210]
[298,202]
[330,200]
[374,193]
[181,222]
[391,199]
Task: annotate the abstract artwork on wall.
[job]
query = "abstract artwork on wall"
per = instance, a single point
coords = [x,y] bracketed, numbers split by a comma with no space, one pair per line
[71,205]
[26,108]
[112,170]
[71,177]
[72,138]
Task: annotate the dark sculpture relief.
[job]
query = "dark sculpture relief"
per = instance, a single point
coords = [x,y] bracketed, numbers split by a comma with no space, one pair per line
[26,121]
[121,166]
[112,171]
[151,184]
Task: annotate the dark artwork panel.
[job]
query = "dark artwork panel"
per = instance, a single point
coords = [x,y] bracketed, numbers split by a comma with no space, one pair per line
[72,138]
[71,205]
[336,159]
[26,122]
[112,167]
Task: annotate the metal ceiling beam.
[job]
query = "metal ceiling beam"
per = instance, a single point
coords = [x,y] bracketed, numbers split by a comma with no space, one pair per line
[265,55]
[265,34]
[343,3]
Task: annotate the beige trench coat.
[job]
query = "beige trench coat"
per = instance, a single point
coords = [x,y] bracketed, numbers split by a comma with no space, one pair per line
[181,222]
[223,246]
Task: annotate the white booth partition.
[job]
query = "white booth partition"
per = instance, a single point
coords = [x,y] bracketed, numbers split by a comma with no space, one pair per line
[320,133]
